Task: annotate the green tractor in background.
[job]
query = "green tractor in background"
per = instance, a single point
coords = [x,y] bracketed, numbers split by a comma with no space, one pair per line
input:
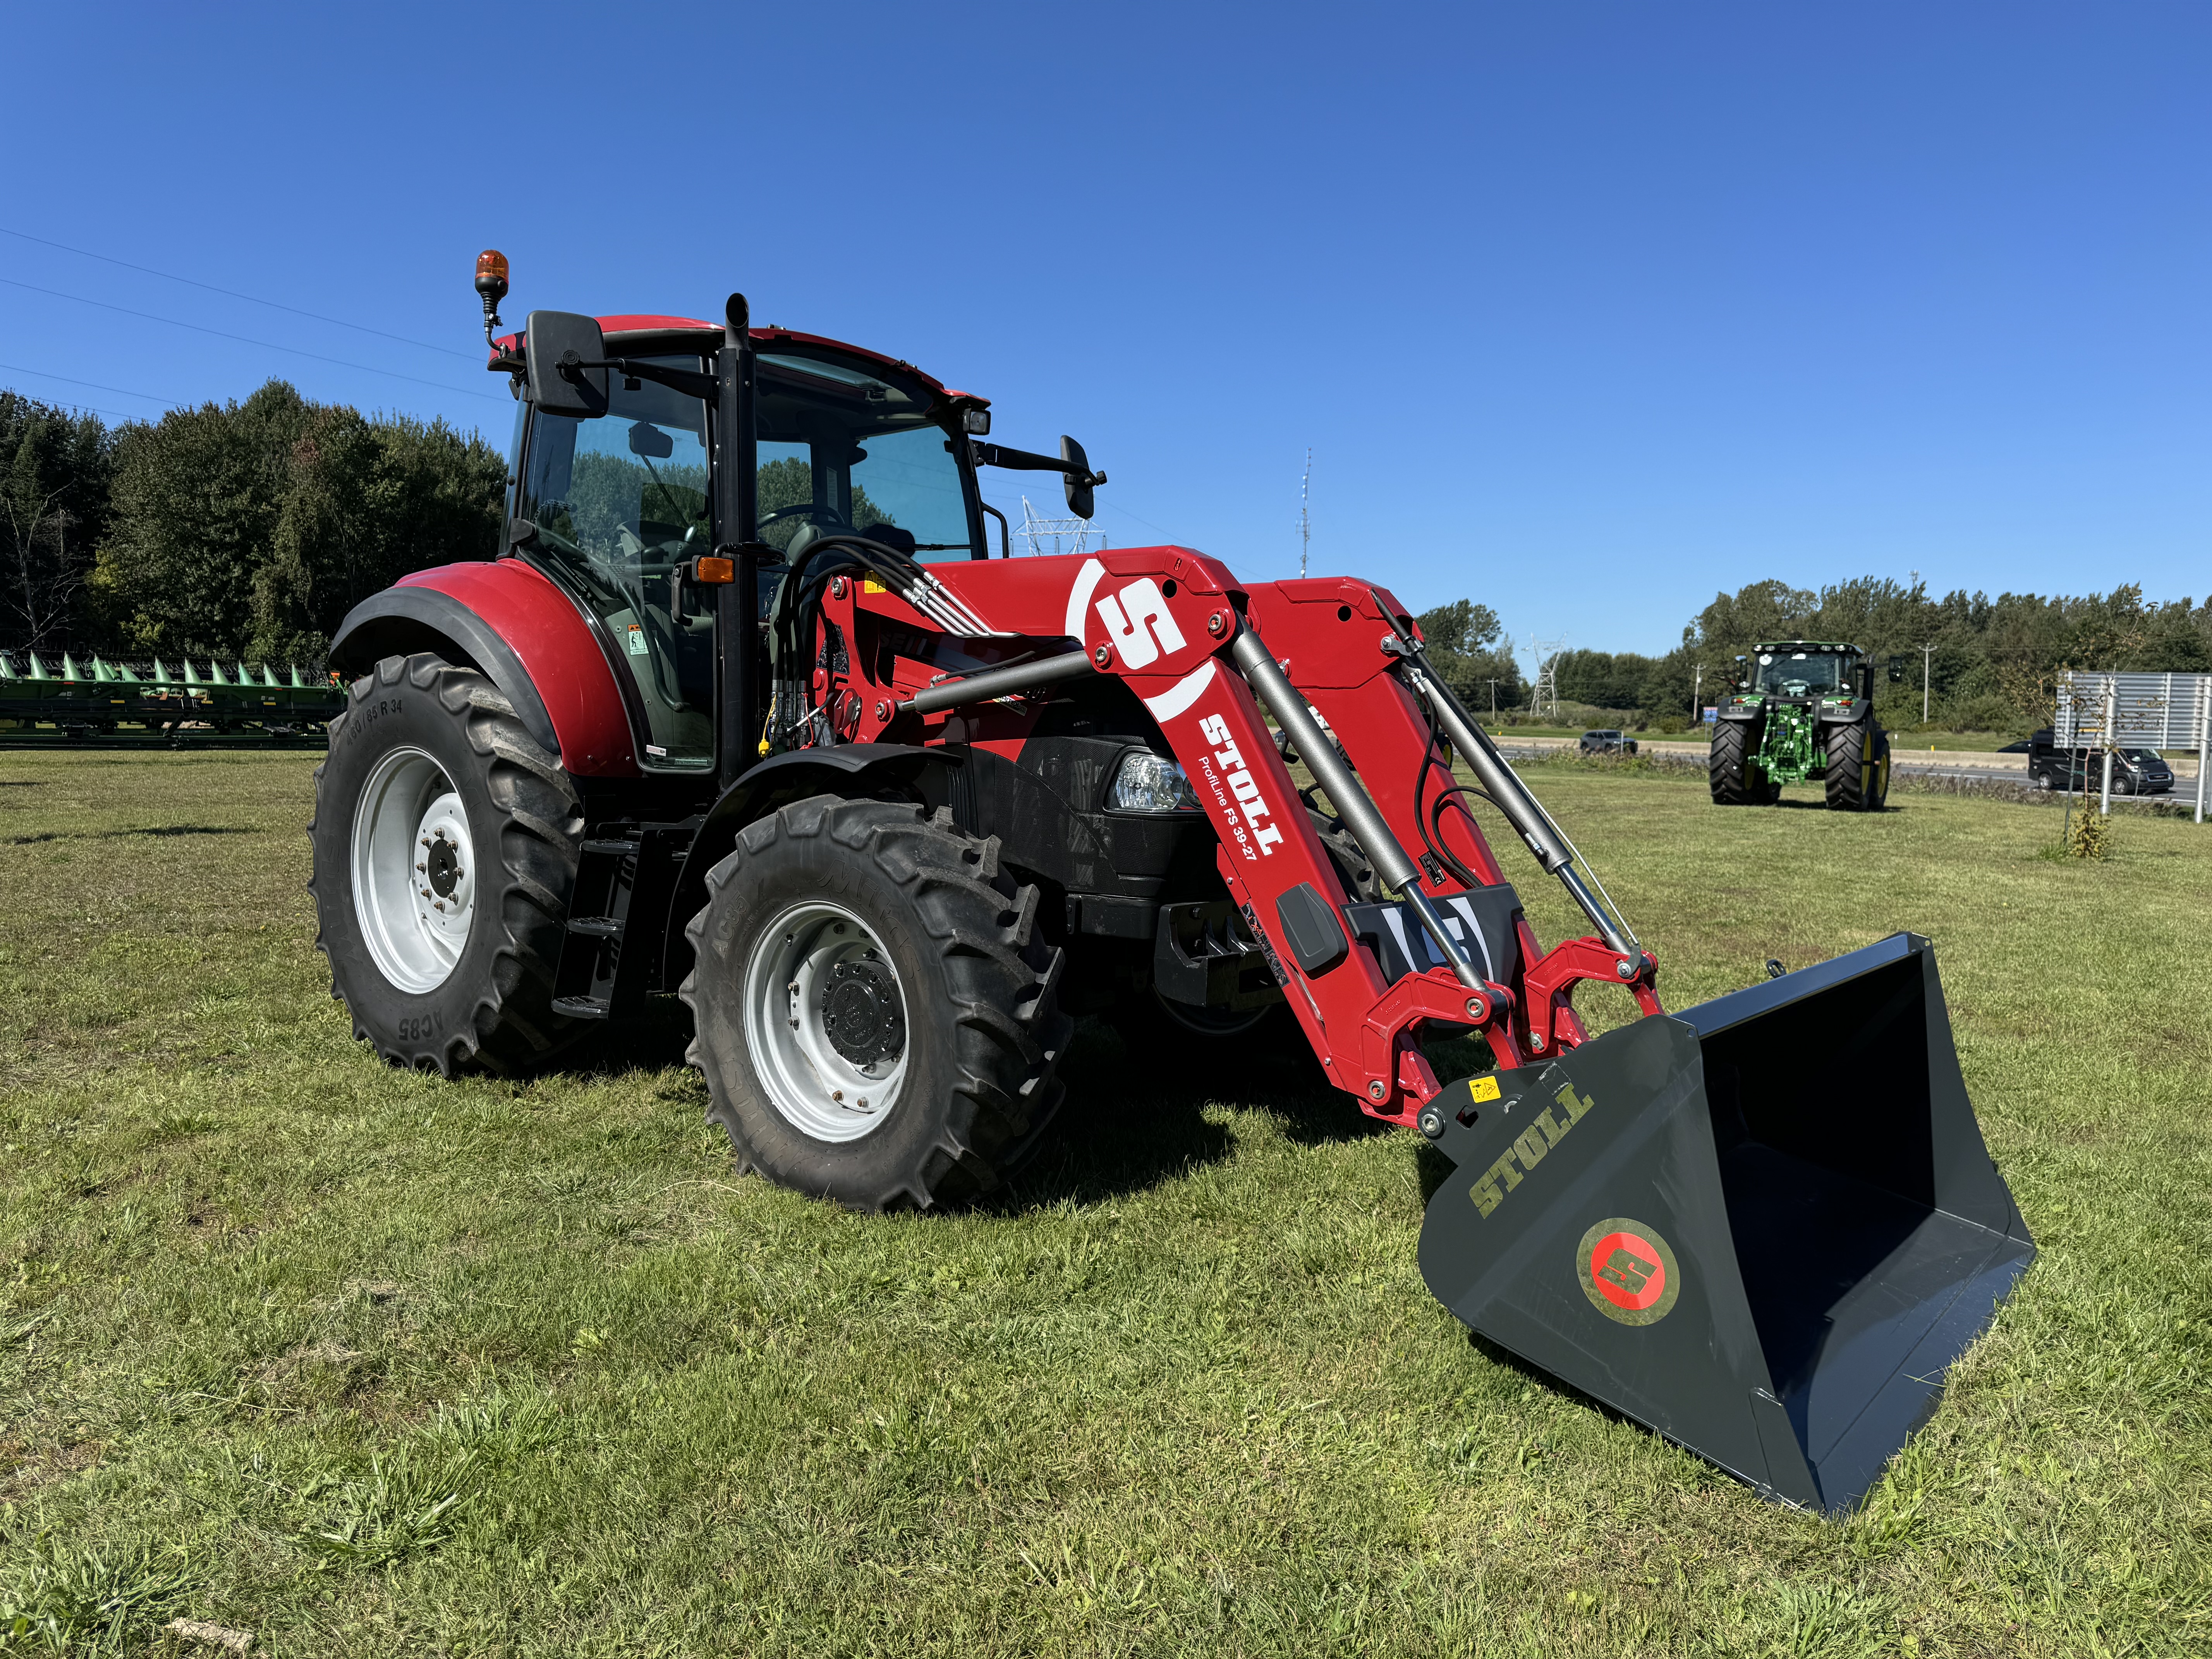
[1801,709]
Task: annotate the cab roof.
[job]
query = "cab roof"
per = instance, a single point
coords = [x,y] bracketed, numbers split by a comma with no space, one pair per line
[629,324]
[1806,645]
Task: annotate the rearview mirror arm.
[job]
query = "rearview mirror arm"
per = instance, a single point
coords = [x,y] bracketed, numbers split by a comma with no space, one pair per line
[1021,460]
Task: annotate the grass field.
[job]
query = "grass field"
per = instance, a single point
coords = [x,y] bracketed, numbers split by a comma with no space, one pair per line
[369,1362]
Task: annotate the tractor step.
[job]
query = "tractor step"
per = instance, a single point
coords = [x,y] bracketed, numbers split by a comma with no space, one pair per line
[603,970]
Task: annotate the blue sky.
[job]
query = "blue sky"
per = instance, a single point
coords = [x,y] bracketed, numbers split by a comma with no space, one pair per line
[1585,311]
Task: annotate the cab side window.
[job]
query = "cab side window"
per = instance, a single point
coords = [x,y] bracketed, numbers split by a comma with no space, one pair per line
[619,503]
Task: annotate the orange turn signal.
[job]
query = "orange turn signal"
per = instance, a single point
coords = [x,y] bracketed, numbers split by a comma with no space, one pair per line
[710,572]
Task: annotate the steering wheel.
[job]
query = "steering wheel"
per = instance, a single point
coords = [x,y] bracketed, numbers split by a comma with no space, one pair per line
[831,513]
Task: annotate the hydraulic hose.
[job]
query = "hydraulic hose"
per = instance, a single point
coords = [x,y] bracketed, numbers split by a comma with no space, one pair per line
[1522,810]
[1281,698]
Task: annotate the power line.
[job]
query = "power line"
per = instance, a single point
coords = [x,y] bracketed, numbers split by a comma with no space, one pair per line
[170,277]
[95,409]
[44,374]
[269,345]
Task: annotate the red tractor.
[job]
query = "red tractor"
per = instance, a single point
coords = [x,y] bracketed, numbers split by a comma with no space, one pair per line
[745,710]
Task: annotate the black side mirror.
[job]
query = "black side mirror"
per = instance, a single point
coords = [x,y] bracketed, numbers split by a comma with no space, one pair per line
[558,345]
[1896,671]
[650,441]
[1078,484]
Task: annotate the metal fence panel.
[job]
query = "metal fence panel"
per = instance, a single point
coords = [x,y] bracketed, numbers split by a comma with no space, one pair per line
[2148,711]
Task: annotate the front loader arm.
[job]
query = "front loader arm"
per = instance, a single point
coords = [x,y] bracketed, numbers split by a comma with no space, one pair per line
[1173,625]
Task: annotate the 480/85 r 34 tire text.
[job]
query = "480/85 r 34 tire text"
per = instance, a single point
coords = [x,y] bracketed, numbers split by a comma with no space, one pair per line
[445,844]
[876,1010]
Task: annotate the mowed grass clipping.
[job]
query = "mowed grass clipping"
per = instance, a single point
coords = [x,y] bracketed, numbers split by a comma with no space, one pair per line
[370,1363]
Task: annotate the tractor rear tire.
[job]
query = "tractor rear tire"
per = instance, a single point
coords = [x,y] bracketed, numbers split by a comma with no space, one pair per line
[876,1009]
[448,965]
[1858,766]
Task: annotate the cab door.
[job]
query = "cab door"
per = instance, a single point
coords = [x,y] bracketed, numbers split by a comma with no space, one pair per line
[619,503]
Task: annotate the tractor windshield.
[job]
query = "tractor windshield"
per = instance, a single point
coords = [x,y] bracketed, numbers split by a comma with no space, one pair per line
[847,450]
[1801,673]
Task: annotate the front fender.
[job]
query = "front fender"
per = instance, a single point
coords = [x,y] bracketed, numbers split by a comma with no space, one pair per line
[852,768]
[511,622]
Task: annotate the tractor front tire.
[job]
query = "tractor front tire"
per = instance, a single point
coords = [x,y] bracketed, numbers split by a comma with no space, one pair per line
[1735,779]
[876,1009]
[1858,766]
[445,840]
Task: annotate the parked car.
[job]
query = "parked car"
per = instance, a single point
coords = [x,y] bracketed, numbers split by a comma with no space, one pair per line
[2135,771]
[1607,742]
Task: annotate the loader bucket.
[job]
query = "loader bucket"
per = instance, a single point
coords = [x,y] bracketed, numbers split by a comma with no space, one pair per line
[1765,1227]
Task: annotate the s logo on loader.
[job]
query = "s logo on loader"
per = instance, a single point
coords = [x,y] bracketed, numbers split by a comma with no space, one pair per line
[1628,1272]
[1138,624]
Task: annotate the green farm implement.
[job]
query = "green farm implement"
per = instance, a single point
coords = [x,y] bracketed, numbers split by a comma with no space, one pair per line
[107,703]
[1801,709]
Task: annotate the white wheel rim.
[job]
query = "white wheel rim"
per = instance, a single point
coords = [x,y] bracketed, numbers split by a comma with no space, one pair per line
[817,974]
[414,871]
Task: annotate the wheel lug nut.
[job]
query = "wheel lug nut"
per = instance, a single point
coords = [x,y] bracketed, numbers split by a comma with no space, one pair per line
[838,1094]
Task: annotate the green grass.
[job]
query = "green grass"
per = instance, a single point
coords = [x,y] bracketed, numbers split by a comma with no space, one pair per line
[370,1363]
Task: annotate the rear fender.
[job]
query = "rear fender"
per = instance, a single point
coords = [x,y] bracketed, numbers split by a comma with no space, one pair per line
[510,623]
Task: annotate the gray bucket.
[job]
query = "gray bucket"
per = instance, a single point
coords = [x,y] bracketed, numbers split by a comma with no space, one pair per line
[1766,1227]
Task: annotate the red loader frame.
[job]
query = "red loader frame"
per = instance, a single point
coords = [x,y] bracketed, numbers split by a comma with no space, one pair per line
[1190,640]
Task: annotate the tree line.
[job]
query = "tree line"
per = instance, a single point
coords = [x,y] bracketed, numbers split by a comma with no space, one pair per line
[1985,664]
[234,529]
[250,529]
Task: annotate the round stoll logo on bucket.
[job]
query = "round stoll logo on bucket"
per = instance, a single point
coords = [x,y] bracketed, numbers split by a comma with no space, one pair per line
[1628,1272]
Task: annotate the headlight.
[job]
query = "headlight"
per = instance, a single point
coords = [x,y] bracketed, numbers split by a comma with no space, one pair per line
[1145,782]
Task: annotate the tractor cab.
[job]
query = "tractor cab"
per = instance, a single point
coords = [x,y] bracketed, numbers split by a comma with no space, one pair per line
[1802,670]
[614,504]
[660,460]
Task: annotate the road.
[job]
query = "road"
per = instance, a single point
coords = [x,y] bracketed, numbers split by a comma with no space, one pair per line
[1968,765]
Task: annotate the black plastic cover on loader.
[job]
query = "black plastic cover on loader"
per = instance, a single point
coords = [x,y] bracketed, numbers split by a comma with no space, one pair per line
[1765,1227]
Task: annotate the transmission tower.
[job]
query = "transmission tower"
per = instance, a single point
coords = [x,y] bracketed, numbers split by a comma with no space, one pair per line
[1546,690]
[1036,532]
[1305,518]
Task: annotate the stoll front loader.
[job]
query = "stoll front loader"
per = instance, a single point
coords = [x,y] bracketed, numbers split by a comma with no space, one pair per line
[747,711]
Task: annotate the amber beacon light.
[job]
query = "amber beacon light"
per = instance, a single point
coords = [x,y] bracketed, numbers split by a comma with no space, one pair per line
[491,283]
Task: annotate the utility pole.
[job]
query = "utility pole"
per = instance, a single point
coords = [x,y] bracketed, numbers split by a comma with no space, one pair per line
[1698,694]
[1305,517]
[1927,658]
[1493,721]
